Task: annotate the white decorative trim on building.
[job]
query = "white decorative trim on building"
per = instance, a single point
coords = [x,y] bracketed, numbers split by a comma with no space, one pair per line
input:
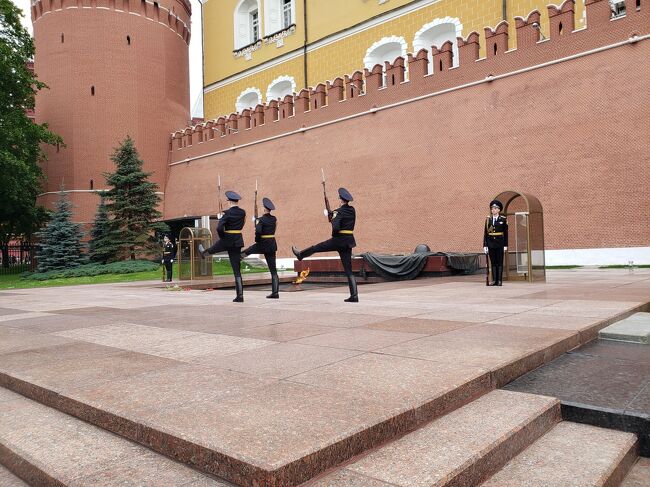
[369,61]
[380,19]
[274,16]
[420,43]
[241,25]
[241,105]
[276,81]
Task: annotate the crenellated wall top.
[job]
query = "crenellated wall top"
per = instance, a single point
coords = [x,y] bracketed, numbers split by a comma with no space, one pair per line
[173,14]
[425,73]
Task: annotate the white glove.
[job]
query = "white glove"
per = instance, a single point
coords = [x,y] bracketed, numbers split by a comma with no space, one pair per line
[505,249]
[172,261]
[201,249]
[254,220]
[485,249]
[326,213]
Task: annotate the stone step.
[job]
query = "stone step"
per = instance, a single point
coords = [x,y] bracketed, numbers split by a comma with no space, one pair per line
[7,479]
[571,454]
[634,328]
[639,475]
[44,446]
[461,448]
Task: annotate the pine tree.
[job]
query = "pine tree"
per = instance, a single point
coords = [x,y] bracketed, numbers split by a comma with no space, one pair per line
[61,246]
[103,244]
[132,202]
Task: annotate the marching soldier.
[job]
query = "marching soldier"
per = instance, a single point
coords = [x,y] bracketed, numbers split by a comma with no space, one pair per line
[495,240]
[265,244]
[229,230]
[342,241]
[168,257]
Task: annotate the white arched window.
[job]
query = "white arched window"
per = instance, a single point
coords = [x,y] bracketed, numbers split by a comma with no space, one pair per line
[387,49]
[436,33]
[249,98]
[280,87]
[278,15]
[246,23]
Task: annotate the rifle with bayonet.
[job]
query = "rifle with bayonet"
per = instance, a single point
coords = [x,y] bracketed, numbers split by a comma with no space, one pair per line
[220,214]
[328,210]
[256,210]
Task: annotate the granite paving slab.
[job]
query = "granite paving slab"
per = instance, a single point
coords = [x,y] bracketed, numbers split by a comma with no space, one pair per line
[181,385]
[359,339]
[8,479]
[61,375]
[25,315]
[418,325]
[14,340]
[463,447]
[54,322]
[401,381]
[281,435]
[277,361]
[41,443]
[639,475]
[282,332]
[635,328]
[588,379]
[616,350]
[164,342]
[11,311]
[570,454]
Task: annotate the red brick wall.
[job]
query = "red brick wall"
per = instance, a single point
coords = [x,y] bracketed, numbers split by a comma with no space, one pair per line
[574,134]
[141,89]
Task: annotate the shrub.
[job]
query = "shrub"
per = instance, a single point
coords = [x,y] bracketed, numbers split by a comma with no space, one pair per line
[87,270]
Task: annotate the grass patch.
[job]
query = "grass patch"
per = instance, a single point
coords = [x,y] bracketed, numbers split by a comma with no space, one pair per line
[622,266]
[563,266]
[14,281]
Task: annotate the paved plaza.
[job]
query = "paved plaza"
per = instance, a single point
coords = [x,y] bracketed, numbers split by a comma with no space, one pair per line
[304,388]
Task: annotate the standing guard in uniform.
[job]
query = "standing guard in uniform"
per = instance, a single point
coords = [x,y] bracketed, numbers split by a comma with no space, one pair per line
[229,230]
[342,241]
[495,240]
[168,257]
[265,244]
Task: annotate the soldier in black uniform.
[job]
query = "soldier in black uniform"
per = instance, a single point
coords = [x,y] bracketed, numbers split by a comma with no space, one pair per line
[495,240]
[168,257]
[229,230]
[342,241]
[265,244]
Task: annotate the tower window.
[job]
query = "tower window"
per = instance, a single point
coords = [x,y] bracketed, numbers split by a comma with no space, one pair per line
[128,40]
[62,39]
[92,184]
[92,91]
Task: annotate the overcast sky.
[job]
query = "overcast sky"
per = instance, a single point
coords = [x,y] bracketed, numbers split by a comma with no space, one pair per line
[196,77]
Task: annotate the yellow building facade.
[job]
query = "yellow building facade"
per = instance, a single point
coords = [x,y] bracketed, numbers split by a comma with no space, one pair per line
[259,50]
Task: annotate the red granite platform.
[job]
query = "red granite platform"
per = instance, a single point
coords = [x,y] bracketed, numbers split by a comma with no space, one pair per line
[331,269]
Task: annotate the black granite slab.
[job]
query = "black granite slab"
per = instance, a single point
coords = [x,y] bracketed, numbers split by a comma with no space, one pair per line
[603,383]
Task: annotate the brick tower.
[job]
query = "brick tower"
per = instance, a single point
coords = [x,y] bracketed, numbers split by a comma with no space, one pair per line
[114,68]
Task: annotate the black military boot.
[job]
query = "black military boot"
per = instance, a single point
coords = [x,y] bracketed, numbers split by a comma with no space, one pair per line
[296,252]
[499,276]
[275,287]
[354,294]
[239,286]
[494,276]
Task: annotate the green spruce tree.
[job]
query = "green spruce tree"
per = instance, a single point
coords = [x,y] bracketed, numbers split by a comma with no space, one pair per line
[103,246]
[61,246]
[132,202]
